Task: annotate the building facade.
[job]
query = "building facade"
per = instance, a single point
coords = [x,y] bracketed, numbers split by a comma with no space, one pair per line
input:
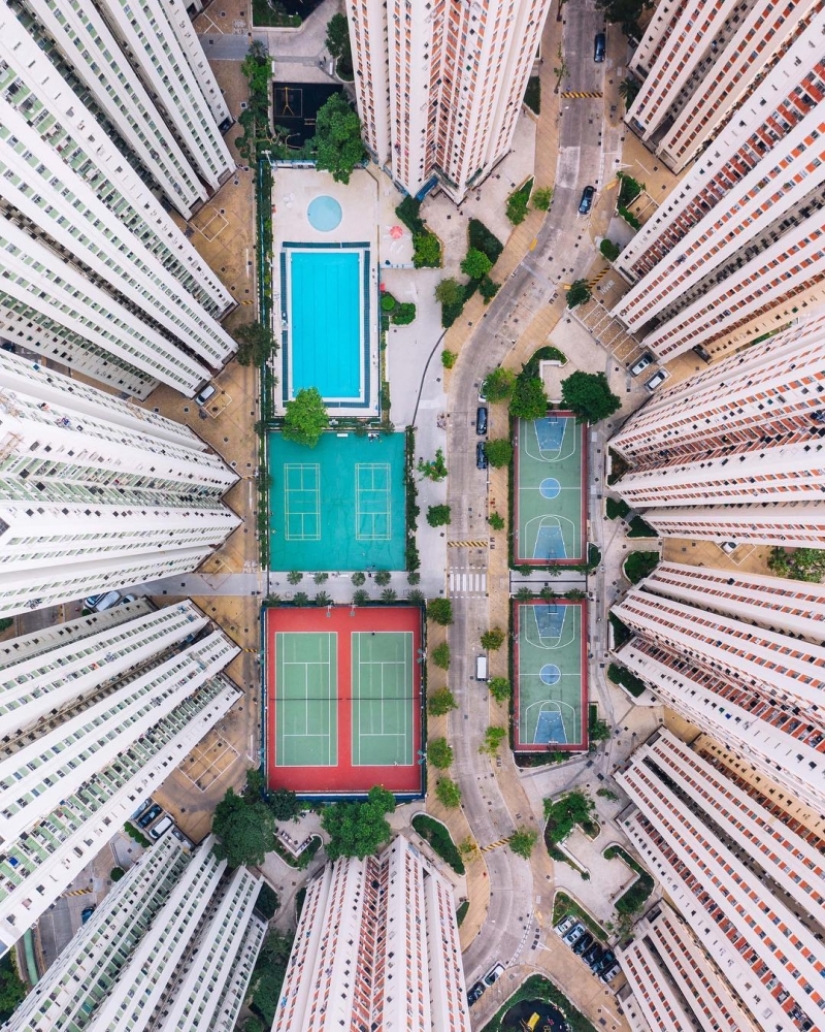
[96,493]
[440,85]
[739,655]
[733,252]
[377,946]
[172,946]
[748,886]
[99,711]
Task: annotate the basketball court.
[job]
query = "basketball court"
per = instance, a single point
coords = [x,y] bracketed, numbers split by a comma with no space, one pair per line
[549,661]
[343,699]
[551,491]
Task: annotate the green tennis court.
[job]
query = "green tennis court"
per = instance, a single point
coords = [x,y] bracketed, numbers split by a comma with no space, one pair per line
[382,698]
[307,700]
[551,675]
[551,492]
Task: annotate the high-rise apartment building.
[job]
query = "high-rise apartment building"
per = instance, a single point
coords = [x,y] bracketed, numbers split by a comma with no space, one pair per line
[440,85]
[377,947]
[735,251]
[171,947]
[749,887]
[96,492]
[102,111]
[697,61]
[98,712]
[746,432]
[740,656]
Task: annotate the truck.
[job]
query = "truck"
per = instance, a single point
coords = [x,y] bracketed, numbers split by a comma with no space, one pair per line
[481,668]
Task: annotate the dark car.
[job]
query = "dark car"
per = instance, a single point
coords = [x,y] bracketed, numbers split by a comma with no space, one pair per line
[481,420]
[594,954]
[150,815]
[85,914]
[606,960]
[599,47]
[475,992]
[586,203]
[583,944]
[481,456]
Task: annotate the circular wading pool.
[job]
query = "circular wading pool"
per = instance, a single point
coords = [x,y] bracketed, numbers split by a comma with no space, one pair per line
[324,213]
[549,488]
[549,674]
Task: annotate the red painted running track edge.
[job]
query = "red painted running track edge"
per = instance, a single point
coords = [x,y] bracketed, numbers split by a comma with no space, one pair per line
[345,779]
[573,560]
[553,747]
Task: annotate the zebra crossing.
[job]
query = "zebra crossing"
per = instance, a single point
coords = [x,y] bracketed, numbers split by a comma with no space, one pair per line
[467,581]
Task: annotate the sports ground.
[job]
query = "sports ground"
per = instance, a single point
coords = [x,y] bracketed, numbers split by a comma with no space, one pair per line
[551,491]
[339,505]
[343,699]
[549,662]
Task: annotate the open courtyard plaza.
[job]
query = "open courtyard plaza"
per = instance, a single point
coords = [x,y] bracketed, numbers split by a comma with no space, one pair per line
[550,663]
[343,699]
[551,497]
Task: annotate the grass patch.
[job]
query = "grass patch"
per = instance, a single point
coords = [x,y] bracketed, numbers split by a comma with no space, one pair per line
[616,508]
[621,632]
[563,906]
[532,95]
[639,529]
[461,913]
[482,239]
[639,892]
[560,857]
[539,988]
[440,839]
[639,565]
[138,836]
[517,203]
[626,678]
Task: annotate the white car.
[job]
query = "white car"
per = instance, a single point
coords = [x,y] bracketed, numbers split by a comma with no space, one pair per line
[564,926]
[573,936]
[656,380]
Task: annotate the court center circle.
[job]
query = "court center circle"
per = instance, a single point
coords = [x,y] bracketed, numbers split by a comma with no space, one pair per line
[549,674]
[324,213]
[549,488]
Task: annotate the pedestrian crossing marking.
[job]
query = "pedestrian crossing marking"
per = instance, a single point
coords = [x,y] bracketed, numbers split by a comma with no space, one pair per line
[468,544]
[581,96]
[77,892]
[463,581]
[496,845]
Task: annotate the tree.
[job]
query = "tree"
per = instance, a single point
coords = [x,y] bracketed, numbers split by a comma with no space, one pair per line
[12,989]
[524,594]
[543,198]
[435,469]
[488,289]
[609,250]
[338,138]
[389,595]
[382,578]
[599,731]
[294,577]
[115,874]
[305,418]
[589,396]
[625,13]
[628,91]
[529,400]
[283,804]
[493,737]
[439,753]
[441,656]
[358,829]
[522,842]
[476,264]
[320,577]
[337,41]
[493,640]
[448,793]
[440,611]
[358,578]
[360,597]
[268,975]
[322,599]
[499,688]
[438,515]
[499,452]
[575,595]
[564,813]
[448,359]
[246,830]
[427,251]
[496,521]
[449,292]
[256,344]
[499,384]
[440,701]
[579,293]
[267,902]
[416,597]
[252,1025]
[805,564]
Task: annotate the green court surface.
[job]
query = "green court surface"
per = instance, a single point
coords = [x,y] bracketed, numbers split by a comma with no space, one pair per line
[550,675]
[382,698]
[551,493]
[306,715]
[338,506]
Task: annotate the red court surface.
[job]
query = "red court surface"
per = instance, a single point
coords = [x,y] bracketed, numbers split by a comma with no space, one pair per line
[345,778]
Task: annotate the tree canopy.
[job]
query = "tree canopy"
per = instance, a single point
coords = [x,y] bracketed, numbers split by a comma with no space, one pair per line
[438,515]
[493,639]
[256,344]
[449,291]
[246,830]
[440,701]
[358,829]
[562,814]
[12,988]
[499,688]
[338,138]
[499,384]
[440,611]
[625,12]
[448,792]
[499,452]
[305,418]
[476,264]
[268,975]
[805,564]
[522,842]
[589,396]
[529,399]
[439,753]
[337,40]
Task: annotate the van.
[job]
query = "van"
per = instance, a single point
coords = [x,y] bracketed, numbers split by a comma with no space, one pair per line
[656,380]
[481,668]
[209,391]
[110,599]
[481,420]
[161,827]
[599,45]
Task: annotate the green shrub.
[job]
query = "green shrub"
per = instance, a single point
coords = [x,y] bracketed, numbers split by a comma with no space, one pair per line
[564,905]
[488,289]
[639,529]
[448,359]
[388,302]
[629,188]
[616,508]
[629,217]
[440,655]
[496,521]
[426,251]
[404,314]
[267,902]
[448,793]
[621,632]
[407,212]
[517,203]
[461,913]
[116,874]
[133,833]
[639,565]
[439,515]
[638,893]
[578,294]
[492,640]
[440,839]
[482,239]
[543,198]
[626,678]
[564,813]
[609,250]
[532,95]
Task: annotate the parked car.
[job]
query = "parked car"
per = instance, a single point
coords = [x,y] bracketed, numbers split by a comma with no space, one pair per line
[656,380]
[476,992]
[481,420]
[583,944]
[85,914]
[593,954]
[151,815]
[641,364]
[564,926]
[481,456]
[179,835]
[482,390]
[111,598]
[573,936]
[586,203]
[92,601]
[143,806]
[161,827]
[203,396]
[607,959]
[127,599]
[610,974]
[493,974]
[599,45]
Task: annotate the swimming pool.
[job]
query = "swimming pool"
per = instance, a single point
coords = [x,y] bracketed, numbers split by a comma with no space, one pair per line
[326,346]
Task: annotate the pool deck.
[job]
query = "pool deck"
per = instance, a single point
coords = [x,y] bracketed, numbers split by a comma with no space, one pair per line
[292,191]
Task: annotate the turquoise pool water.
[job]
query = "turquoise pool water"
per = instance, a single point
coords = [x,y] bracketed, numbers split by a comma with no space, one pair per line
[324,214]
[326,347]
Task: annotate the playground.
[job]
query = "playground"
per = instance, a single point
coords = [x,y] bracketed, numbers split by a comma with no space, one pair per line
[551,491]
[550,654]
[343,699]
